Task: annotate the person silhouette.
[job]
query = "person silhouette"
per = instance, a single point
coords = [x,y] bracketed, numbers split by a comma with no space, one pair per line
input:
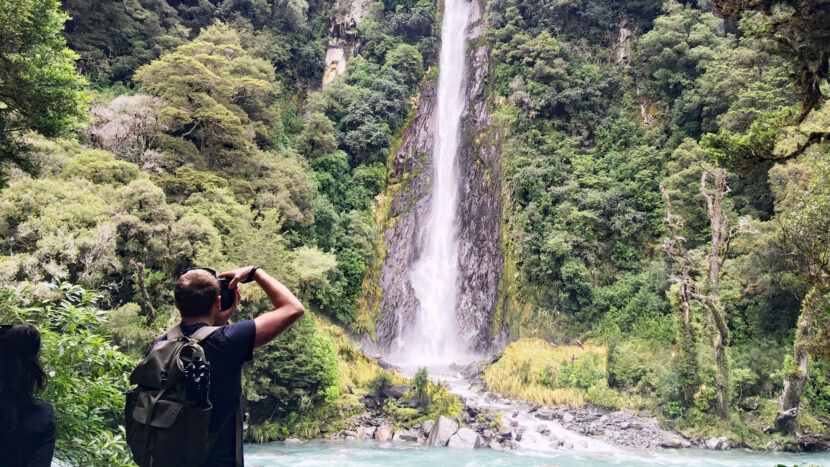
[27,424]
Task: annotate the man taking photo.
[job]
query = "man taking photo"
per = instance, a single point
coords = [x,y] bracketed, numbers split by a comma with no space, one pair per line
[226,349]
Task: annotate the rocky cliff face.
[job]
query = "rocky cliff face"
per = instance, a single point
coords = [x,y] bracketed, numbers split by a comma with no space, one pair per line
[480,211]
[480,256]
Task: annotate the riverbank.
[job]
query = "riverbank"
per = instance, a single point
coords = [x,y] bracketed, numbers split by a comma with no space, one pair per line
[481,418]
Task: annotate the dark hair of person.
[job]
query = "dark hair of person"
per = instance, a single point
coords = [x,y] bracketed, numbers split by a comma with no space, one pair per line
[196,292]
[21,376]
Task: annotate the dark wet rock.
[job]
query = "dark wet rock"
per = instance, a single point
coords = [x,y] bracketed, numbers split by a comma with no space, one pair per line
[411,403]
[813,442]
[675,442]
[395,392]
[544,415]
[406,435]
[785,422]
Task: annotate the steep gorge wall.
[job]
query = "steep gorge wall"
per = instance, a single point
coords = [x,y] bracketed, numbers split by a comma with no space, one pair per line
[480,255]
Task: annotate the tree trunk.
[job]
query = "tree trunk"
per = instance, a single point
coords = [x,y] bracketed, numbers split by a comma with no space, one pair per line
[142,287]
[717,254]
[687,354]
[722,378]
[794,383]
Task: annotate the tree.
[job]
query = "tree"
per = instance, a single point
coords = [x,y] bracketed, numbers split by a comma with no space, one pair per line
[39,87]
[799,31]
[317,137]
[127,125]
[806,234]
[721,236]
[217,96]
[674,51]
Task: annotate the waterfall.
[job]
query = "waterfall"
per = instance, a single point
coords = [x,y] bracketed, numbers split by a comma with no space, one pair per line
[434,337]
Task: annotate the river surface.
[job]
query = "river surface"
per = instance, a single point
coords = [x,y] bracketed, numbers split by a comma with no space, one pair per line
[395,453]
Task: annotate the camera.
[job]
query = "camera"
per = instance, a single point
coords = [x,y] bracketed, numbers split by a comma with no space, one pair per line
[228,296]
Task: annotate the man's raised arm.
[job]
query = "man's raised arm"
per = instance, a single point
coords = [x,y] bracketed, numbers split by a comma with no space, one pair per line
[288,308]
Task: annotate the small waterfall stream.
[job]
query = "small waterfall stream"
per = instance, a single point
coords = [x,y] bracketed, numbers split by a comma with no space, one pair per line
[434,337]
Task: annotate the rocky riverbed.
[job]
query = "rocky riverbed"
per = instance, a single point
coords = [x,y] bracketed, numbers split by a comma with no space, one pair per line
[488,420]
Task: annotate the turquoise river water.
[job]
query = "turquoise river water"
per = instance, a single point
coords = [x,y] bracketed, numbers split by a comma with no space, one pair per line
[371,453]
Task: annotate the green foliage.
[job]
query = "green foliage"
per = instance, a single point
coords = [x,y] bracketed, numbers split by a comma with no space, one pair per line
[293,373]
[743,151]
[317,138]
[101,167]
[584,373]
[380,383]
[795,29]
[421,383]
[87,374]
[817,390]
[217,95]
[39,87]
[676,50]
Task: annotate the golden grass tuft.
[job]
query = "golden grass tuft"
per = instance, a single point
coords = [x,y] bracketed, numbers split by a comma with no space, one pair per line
[354,368]
[517,373]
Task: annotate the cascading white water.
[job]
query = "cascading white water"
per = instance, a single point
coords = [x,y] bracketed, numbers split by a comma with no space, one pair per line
[434,337]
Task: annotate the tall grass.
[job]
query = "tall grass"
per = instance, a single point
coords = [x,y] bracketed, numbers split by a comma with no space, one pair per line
[530,368]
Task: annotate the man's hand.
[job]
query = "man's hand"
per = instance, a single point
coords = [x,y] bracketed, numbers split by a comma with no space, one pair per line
[223,316]
[237,275]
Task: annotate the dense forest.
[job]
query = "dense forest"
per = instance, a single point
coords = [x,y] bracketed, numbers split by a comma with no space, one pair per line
[665,183]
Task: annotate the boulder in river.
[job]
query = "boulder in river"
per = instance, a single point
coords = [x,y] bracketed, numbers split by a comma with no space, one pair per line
[427,427]
[675,442]
[465,438]
[294,441]
[366,432]
[717,444]
[441,432]
[405,435]
[383,433]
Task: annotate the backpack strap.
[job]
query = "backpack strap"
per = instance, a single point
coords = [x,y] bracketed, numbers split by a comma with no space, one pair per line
[238,434]
[236,415]
[198,336]
[203,333]
[174,333]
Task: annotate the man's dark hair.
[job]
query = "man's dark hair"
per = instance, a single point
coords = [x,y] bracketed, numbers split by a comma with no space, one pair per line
[196,293]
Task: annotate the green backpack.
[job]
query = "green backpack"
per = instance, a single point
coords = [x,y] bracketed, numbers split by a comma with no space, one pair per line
[165,426]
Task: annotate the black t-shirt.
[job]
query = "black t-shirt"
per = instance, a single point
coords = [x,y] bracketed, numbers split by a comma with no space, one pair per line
[227,349]
[32,443]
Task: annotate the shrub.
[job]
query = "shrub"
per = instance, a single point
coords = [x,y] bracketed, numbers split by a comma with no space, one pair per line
[421,381]
[87,374]
[380,383]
